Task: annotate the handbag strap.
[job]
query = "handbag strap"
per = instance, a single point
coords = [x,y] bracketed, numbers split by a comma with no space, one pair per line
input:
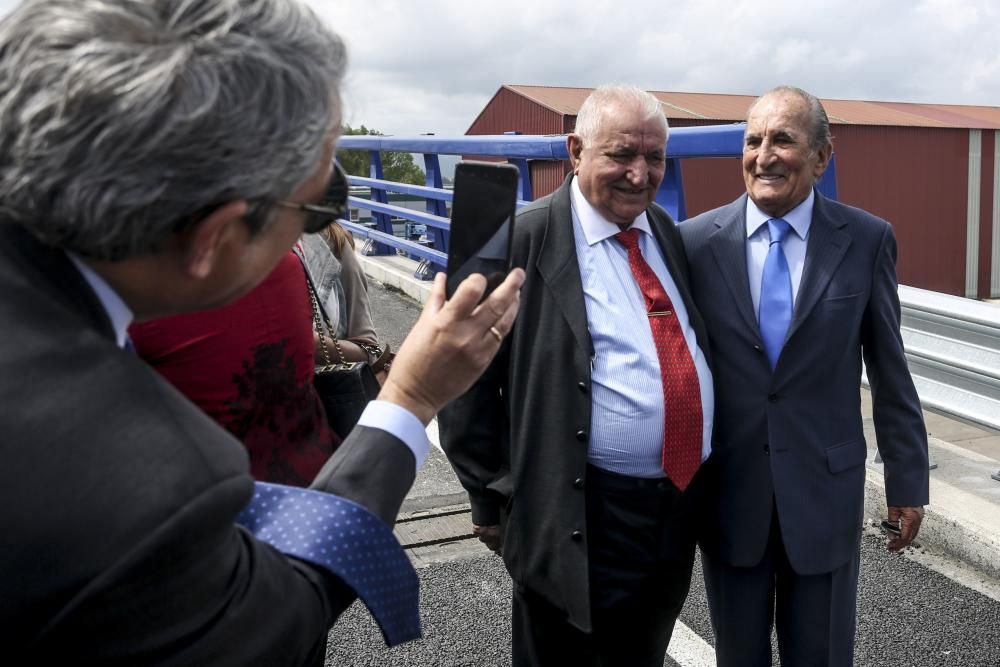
[319,314]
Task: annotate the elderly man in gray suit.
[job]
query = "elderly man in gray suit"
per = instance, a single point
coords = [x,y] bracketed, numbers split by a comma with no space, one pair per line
[795,290]
[158,157]
[587,435]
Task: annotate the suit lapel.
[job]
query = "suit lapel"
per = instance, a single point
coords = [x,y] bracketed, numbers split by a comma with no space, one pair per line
[559,269]
[824,253]
[728,244]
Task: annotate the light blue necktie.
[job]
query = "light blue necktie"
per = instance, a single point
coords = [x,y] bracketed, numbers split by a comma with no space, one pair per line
[775,312]
[349,541]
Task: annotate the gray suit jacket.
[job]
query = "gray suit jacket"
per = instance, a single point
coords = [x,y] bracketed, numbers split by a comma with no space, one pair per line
[518,439]
[795,435]
[119,497]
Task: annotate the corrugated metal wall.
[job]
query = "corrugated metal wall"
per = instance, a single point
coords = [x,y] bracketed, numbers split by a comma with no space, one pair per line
[509,112]
[916,178]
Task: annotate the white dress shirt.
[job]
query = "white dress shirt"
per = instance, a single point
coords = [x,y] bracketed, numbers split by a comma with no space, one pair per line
[627,392]
[384,415]
[794,245]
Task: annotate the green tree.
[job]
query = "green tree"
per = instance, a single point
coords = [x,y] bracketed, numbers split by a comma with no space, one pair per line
[399,167]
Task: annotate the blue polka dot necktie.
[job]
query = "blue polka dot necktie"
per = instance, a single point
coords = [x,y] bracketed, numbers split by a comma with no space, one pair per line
[775,312]
[347,540]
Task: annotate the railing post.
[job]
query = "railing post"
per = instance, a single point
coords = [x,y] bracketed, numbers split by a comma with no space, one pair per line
[383,222]
[828,181]
[524,190]
[671,193]
[437,238]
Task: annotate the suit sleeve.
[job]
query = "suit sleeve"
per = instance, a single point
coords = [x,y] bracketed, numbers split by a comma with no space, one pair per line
[899,422]
[473,431]
[202,590]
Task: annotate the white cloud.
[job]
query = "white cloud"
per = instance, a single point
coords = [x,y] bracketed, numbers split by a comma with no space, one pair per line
[431,66]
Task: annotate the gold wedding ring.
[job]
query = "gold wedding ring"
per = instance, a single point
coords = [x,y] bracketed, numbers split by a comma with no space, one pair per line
[496,334]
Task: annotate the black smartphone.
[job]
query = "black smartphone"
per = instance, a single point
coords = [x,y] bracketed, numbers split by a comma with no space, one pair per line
[482,222]
[890,527]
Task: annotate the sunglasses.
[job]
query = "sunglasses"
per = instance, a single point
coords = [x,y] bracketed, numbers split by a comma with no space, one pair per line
[332,207]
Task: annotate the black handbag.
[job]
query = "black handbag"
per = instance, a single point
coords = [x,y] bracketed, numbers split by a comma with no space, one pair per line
[346,387]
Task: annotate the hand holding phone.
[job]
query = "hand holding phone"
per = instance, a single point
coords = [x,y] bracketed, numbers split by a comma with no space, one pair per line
[482,223]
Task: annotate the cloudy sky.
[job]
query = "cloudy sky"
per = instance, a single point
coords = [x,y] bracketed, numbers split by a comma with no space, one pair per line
[431,65]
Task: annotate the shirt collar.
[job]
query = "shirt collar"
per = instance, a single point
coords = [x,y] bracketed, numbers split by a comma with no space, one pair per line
[595,227]
[119,314]
[799,218]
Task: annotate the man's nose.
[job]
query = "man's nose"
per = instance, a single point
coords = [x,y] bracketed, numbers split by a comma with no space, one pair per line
[765,153]
[638,172]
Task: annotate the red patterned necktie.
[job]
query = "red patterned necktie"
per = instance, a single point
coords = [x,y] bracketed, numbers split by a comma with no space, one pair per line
[682,420]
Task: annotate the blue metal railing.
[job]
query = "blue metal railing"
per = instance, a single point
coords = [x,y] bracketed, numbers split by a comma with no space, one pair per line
[714,141]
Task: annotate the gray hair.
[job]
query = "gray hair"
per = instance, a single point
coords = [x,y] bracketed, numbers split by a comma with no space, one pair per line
[122,121]
[591,114]
[819,124]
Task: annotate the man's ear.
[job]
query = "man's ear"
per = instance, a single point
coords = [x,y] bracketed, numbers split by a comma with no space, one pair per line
[823,156]
[210,236]
[574,146]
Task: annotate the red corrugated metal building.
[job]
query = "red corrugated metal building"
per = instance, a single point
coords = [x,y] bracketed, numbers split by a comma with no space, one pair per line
[932,170]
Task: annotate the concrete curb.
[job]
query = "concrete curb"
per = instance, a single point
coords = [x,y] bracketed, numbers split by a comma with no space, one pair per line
[957,523]
[396,271]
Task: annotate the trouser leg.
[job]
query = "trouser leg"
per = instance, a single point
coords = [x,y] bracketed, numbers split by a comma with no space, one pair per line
[741,607]
[640,559]
[816,615]
[541,637]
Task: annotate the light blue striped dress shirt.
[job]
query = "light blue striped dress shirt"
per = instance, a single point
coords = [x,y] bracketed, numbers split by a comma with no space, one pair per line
[627,393]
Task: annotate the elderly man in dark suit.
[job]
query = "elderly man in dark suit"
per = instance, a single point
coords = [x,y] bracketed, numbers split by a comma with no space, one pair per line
[587,433]
[795,290]
[158,157]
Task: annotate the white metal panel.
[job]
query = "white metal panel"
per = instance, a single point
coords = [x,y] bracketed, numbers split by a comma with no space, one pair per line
[972,214]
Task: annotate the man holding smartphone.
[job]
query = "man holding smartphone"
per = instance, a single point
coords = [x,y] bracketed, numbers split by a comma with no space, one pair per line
[581,447]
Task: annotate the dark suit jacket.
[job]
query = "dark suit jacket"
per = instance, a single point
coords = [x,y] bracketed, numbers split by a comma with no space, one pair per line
[119,497]
[795,434]
[519,436]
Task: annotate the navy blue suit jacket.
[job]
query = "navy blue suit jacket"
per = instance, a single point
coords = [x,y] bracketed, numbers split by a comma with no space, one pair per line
[795,434]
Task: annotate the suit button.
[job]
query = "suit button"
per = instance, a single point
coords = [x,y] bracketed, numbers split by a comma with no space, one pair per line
[576,535]
[581,436]
[767,448]
[582,386]
[758,348]
[578,483]
[773,398]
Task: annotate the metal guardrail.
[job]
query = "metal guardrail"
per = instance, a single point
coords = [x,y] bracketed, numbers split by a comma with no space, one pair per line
[953,350]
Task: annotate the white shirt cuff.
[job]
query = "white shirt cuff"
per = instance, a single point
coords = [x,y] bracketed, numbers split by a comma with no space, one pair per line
[399,422]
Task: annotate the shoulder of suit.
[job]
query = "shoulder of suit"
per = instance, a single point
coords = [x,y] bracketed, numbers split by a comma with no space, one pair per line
[533,218]
[703,222]
[659,215]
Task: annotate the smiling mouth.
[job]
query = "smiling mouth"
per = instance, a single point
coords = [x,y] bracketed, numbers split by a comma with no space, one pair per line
[770,178]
